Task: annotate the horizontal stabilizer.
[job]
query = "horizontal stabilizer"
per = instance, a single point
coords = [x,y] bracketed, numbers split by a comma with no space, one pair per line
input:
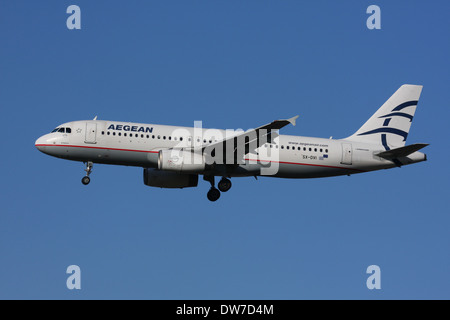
[401,152]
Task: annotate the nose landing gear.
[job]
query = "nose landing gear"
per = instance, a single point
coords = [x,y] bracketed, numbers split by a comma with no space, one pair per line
[85,180]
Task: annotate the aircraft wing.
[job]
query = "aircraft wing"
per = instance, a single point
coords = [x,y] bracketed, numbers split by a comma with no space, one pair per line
[249,141]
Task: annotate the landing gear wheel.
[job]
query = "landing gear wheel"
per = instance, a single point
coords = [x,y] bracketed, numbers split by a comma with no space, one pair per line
[85,180]
[213,194]
[224,185]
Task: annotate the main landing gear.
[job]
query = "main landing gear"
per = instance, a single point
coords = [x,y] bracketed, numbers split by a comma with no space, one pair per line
[224,185]
[214,194]
[85,180]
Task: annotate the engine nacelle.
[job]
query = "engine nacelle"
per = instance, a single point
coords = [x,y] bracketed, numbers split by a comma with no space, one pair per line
[181,161]
[169,179]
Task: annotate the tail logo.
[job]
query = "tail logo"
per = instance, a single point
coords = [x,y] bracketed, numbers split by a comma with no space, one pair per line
[385,129]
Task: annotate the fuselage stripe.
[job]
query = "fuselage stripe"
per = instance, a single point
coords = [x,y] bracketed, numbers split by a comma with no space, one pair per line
[90,147]
[306,164]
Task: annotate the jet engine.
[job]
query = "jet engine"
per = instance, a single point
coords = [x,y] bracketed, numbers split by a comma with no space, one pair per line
[177,160]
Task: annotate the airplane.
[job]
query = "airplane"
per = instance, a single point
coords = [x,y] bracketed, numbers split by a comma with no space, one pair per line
[174,157]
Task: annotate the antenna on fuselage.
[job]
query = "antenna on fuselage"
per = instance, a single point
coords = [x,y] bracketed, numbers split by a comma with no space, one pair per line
[95,118]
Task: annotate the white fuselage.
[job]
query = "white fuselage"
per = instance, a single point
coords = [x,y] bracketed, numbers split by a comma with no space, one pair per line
[134,144]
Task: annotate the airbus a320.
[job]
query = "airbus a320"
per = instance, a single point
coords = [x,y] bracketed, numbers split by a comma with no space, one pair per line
[174,157]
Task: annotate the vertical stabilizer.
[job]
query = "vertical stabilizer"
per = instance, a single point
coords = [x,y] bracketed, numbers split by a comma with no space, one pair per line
[390,125]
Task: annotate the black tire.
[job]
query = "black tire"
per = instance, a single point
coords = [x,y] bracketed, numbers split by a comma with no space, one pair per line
[224,185]
[213,194]
[85,180]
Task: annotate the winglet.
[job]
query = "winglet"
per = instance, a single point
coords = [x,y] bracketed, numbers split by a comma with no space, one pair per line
[293,120]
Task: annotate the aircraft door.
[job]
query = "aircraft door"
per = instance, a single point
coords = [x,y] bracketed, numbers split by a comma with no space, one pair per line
[91,132]
[346,153]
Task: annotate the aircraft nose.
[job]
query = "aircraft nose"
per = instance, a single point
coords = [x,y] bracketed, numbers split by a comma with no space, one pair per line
[40,143]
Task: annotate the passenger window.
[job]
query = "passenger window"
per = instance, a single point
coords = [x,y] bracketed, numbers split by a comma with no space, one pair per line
[136,135]
[326,150]
[282,147]
[120,133]
[103,132]
[181,138]
[124,134]
[108,133]
[287,147]
[142,135]
[315,149]
[114,133]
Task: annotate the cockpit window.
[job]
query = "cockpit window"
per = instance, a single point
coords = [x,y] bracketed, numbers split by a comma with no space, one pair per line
[62,130]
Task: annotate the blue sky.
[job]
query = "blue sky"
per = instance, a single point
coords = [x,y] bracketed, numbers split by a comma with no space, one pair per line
[231,64]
